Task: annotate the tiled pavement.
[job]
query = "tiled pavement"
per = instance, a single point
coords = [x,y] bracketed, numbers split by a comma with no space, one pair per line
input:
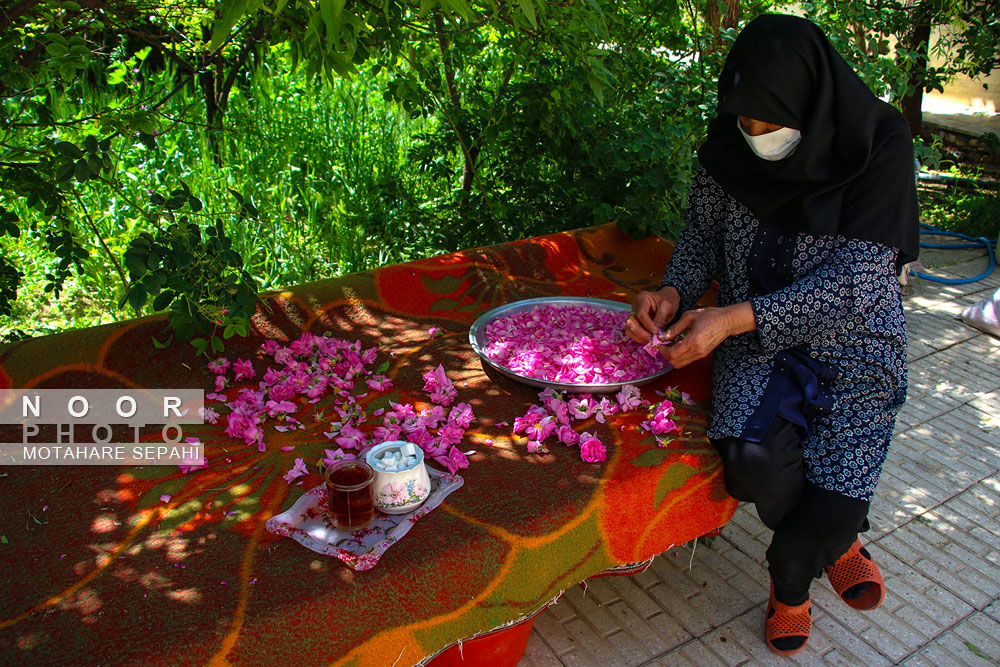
[935,534]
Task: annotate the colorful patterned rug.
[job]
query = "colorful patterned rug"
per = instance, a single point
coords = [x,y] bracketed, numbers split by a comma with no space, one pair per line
[99,571]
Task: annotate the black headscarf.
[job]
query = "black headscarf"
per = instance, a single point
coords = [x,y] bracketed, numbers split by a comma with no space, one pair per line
[852,172]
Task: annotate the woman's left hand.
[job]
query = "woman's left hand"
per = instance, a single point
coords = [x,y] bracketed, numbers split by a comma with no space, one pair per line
[700,331]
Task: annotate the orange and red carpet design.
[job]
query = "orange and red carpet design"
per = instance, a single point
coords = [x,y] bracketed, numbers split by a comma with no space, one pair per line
[98,571]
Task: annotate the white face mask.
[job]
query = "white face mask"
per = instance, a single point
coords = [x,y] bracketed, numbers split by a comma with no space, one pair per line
[775,145]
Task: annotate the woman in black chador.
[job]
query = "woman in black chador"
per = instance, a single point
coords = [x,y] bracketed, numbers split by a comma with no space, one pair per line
[803,209]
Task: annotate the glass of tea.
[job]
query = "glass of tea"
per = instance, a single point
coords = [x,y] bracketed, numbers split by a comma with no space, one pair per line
[349,494]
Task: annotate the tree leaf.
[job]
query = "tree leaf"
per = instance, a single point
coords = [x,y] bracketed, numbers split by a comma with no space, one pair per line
[528,7]
[232,10]
[137,297]
[56,50]
[81,171]
[163,300]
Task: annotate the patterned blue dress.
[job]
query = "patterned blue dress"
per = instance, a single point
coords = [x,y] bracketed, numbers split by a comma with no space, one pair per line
[830,339]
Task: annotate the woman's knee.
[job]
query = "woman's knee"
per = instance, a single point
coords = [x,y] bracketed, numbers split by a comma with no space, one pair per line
[751,467]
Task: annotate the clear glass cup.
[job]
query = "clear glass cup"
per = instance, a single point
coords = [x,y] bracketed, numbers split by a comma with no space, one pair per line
[349,494]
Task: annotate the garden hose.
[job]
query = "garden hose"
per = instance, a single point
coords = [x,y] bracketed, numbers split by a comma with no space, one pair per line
[970,242]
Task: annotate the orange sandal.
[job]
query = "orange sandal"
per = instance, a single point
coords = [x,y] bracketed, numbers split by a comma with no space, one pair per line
[855,568]
[786,621]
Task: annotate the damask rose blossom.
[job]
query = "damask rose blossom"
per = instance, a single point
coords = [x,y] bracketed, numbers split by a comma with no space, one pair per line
[659,421]
[440,388]
[379,383]
[535,447]
[219,366]
[567,435]
[541,429]
[629,398]
[243,370]
[592,450]
[532,416]
[581,408]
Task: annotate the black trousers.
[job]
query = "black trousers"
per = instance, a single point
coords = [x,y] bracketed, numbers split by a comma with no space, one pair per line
[813,526]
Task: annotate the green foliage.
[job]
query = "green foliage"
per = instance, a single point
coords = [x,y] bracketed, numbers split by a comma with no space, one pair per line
[199,279]
[331,137]
[966,210]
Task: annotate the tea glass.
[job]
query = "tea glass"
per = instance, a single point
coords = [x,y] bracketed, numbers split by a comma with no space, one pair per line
[349,494]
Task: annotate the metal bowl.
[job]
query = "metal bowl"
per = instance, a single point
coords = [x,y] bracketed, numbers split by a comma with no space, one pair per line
[477,339]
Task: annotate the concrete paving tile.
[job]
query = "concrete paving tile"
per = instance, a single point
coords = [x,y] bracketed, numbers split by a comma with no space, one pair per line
[669,629]
[696,652]
[848,648]
[643,579]
[633,595]
[957,579]
[968,652]
[554,633]
[628,651]
[988,406]
[917,587]
[937,655]
[538,654]
[745,542]
[983,632]
[951,513]
[983,572]
[711,559]
[708,594]
[673,659]
[936,329]
[560,610]
[950,461]
[746,518]
[917,660]
[588,608]
[949,532]
[917,350]
[591,644]
[680,609]
[741,641]
[645,635]
[891,633]
[750,587]
[600,590]
[579,659]
[993,611]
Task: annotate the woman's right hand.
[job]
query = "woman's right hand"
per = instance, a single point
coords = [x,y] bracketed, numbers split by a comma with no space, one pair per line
[651,311]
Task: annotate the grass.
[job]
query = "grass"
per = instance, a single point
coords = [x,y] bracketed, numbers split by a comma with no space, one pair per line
[325,165]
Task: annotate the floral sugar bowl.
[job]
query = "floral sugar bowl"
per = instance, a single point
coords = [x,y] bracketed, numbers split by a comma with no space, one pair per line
[401,482]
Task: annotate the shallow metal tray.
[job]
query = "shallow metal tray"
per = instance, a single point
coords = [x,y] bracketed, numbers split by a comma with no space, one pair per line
[477,339]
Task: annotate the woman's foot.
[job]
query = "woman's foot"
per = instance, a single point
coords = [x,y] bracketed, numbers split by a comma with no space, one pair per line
[857,579]
[787,627]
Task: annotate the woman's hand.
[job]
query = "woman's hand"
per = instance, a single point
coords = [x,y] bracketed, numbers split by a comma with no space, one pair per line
[700,331]
[650,313]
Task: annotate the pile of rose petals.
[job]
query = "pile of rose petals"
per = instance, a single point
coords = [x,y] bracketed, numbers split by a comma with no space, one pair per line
[555,416]
[577,344]
[312,368]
